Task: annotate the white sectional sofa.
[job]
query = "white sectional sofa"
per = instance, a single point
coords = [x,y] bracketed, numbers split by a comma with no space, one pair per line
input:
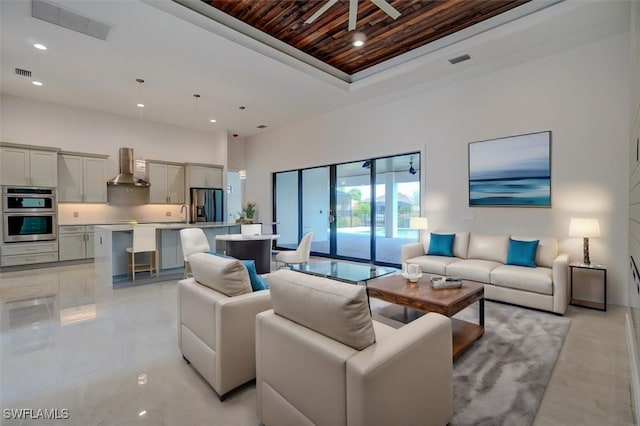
[483,257]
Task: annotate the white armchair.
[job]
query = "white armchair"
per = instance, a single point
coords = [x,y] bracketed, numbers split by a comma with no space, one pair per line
[322,360]
[216,321]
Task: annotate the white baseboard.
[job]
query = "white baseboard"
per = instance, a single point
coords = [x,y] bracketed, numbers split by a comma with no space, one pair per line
[634,366]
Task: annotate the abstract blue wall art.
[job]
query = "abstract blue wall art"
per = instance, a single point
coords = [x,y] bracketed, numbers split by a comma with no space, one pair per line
[514,171]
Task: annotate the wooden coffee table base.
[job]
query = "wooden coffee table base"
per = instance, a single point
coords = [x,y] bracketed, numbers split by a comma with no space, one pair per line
[464,334]
[420,296]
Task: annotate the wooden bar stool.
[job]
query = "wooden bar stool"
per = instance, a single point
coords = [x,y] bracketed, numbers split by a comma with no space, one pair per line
[144,241]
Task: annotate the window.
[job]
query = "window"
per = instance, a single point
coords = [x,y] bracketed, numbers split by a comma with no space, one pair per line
[357,210]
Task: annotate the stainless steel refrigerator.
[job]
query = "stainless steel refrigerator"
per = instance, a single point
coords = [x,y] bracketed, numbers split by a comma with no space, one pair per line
[207,205]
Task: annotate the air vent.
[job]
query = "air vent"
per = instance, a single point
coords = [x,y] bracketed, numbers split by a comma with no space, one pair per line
[23,73]
[262,126]
[53,14]
[459,59]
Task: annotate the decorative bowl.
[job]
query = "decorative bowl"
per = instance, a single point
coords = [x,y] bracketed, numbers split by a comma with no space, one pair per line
[412,277]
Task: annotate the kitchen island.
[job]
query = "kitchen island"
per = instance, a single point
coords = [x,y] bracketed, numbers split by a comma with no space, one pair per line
[111,241]
[256,247]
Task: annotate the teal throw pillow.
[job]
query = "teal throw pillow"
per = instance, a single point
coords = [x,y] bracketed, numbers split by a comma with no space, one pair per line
[257,282]
[224,256]
[522,253]
[441,245]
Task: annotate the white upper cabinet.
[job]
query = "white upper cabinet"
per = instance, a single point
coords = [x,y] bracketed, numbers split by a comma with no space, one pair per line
[175,184]
[157,176]
[43,166]
[28,167]
[94,179]
[204,176]
[167,183]
[82,179]
[70,181]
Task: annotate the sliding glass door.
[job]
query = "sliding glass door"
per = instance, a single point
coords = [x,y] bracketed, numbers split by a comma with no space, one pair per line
[286,208]
[357,210]
[353,211]
[316,209]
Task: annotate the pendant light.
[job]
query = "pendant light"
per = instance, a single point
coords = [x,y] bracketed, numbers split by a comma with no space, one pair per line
[140,164]
[140,104]
[196,97]
[242,173]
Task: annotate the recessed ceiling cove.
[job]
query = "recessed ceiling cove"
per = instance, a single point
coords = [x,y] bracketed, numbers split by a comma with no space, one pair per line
[325,29]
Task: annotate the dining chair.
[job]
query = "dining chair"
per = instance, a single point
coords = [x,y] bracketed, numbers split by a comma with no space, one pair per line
[193,240]
[299,255]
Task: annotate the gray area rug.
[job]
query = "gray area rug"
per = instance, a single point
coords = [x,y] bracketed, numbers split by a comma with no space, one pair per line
[501,378]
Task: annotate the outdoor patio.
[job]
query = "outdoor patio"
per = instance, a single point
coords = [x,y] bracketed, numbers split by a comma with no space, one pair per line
[356,245]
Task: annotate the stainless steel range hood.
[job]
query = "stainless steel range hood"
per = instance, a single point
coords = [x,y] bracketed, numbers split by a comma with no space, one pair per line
[126,178]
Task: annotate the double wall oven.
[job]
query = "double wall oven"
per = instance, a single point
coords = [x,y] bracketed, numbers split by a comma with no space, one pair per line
[29,214]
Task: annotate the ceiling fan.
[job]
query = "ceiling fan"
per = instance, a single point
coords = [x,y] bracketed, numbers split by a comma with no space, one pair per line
[353,11]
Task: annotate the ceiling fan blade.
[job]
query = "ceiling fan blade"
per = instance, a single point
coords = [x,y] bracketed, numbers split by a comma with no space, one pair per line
[320,11]
[386,8]
[353,14]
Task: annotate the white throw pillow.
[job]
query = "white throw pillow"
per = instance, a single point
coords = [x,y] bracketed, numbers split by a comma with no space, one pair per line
[337,310]
[227,276]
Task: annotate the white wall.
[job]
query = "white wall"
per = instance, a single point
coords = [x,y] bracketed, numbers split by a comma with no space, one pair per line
[634,156]
[31,122]
[234,199]
[581,95]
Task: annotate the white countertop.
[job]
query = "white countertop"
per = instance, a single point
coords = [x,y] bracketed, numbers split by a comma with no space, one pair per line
[167,225]
[240,237]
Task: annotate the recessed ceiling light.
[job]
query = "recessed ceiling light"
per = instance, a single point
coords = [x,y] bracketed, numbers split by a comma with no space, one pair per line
[359,39]
[40,46]
[36,83]
[213,120]
[140,105]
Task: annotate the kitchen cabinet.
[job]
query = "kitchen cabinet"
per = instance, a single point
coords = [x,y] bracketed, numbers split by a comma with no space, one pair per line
[167,182]
[15,254]
[171,249]
[75,242]
[82,178]
[28,167]
[204,176]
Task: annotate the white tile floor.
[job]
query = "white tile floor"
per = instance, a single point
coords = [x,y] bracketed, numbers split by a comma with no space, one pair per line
[109,356]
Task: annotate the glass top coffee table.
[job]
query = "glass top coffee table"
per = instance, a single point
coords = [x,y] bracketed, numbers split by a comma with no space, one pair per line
[351,273]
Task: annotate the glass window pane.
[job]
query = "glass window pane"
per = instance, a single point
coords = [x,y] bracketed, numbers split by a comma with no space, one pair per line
[353,210]
[315,207]
[397,199]
[286,212]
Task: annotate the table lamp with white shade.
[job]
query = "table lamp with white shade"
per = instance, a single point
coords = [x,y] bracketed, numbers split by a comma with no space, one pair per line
[585,228]
[418,223]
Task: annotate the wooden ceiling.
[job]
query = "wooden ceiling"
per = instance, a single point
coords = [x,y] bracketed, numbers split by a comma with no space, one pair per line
[328,38]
